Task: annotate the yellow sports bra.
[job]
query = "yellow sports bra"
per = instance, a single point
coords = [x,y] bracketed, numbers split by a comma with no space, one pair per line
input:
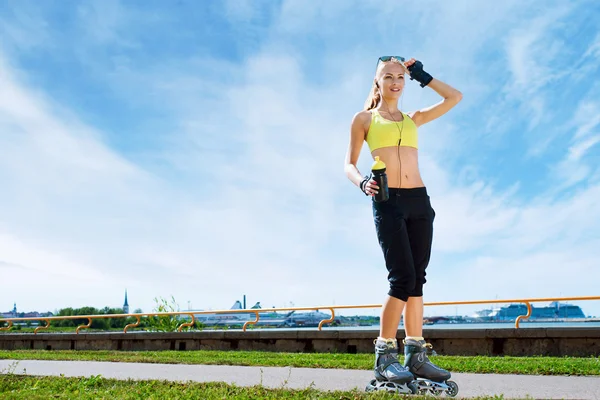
[383,132]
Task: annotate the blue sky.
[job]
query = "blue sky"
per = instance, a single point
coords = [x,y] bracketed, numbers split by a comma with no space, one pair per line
[196,149]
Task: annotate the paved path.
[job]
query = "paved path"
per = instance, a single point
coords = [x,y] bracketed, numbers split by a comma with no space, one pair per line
[470,385]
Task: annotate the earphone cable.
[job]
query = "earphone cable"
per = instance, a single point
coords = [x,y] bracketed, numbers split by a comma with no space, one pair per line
[400,130]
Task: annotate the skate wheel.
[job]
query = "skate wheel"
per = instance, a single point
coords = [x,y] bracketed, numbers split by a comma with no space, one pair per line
[422,387]
[452,388]
[371,386]
[412,387]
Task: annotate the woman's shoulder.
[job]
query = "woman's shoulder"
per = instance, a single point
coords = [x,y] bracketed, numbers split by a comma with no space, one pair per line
[413,117]
[363,116]
[362,120]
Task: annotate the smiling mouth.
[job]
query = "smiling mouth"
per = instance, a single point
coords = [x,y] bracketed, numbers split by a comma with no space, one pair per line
[395,90]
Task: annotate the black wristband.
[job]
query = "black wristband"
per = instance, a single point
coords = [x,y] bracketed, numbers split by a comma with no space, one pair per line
[363,183]
[417,74]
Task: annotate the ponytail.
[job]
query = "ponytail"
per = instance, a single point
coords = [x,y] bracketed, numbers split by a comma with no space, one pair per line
[373,99]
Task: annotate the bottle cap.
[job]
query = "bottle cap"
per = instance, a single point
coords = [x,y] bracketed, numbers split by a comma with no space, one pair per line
[378,164]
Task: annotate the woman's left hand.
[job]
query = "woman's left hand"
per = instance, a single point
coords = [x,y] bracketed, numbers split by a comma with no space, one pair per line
[408,64]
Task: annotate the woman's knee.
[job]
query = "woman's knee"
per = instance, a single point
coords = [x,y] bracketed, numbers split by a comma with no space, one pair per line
[417,290]
[402,285]
[399,294]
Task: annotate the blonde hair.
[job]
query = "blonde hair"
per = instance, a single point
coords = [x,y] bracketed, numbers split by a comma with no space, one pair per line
[374,96]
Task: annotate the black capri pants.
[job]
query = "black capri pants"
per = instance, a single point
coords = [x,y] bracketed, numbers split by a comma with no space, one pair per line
[404,225]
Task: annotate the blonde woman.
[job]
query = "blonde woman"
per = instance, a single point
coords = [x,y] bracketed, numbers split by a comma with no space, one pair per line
[404,223]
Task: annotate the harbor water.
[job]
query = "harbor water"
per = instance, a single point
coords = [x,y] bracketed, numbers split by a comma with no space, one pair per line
[495,325]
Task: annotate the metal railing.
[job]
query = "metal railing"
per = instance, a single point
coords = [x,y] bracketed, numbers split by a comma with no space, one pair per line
[257,312]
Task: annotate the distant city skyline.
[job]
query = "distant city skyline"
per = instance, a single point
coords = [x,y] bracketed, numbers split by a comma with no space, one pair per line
[196,151]
[239,304]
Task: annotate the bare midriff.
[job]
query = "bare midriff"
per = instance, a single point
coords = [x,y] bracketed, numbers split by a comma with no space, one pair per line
[402,166]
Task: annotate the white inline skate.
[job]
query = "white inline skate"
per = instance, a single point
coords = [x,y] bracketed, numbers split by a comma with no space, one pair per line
[390,375]
[430,379]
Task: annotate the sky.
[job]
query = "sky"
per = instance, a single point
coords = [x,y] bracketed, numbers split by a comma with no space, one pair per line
[196,150]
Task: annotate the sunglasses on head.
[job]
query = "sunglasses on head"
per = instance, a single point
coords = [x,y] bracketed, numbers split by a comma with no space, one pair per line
[388,58]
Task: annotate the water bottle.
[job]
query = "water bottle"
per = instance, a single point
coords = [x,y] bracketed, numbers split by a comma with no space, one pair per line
[379,176]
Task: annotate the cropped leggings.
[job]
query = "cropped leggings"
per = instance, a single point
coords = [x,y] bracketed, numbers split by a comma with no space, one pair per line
[404,225]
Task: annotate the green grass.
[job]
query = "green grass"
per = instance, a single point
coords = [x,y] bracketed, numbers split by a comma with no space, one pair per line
[27,387]
[480,364]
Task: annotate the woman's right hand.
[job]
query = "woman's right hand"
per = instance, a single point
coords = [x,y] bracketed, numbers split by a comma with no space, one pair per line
[371,188]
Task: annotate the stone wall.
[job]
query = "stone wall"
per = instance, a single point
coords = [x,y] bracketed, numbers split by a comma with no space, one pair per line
[581,342]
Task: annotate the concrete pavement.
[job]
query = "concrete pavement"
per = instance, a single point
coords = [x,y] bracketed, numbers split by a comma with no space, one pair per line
[470,385]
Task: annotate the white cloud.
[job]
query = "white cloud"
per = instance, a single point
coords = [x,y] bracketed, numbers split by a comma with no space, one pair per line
[241,10]
[23,28]
[543,248]
[138,230]
[578,150]
[535,60]
[16,254]
[593,50]
[103,19]
[587,117]
[577,163]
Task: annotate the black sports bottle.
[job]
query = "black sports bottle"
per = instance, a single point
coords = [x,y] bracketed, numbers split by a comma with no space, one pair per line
[379,176]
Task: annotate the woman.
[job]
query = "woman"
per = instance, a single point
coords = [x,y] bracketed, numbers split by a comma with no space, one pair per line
[404,222]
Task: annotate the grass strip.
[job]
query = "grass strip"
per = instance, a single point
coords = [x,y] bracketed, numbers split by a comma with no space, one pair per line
[478,364]
[27,387]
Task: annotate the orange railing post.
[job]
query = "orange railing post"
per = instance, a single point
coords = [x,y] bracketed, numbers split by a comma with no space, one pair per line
[6,328]
[523,316]
[251,322]
[84,326]
[132,325]
[35,331]
[191,323]
[327,320]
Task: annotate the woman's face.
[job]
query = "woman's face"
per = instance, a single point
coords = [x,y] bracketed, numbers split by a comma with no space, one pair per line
[390,79]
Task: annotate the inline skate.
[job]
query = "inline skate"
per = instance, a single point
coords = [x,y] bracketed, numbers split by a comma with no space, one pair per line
[390,375]
[430,379]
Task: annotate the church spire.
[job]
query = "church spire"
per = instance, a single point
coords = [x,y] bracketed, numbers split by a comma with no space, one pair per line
[126,304]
